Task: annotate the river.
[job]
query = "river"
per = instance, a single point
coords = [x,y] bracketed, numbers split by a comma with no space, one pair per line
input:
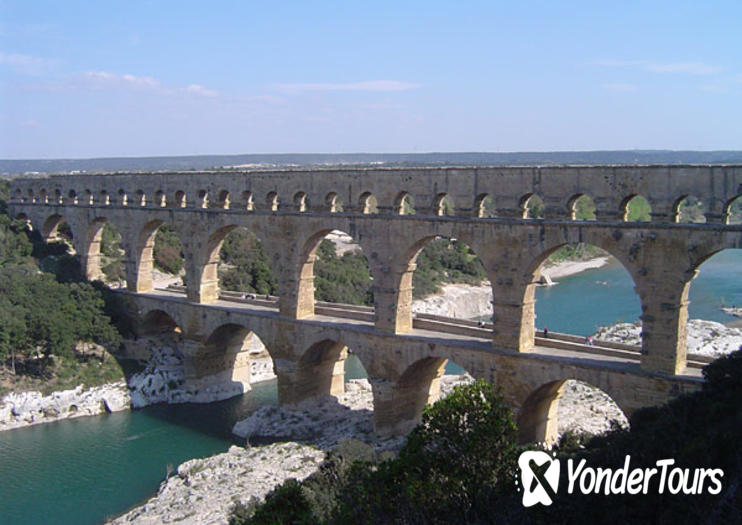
[83,470]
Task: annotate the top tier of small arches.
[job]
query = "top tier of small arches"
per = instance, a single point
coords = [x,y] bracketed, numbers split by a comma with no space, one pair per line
[656,194]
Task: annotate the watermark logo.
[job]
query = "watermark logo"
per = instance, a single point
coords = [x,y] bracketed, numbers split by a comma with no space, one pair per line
[539,477]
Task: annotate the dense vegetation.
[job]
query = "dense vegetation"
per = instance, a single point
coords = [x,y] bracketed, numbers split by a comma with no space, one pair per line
[44,315]
[245,266]
[460,466]
[344,279]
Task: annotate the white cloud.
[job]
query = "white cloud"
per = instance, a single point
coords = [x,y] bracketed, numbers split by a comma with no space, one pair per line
[200,90]
[367,85]
[691,68]
[620,87]
[24,63]
[145,83]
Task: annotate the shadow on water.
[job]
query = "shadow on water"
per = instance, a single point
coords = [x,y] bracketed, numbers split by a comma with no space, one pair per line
[217,418]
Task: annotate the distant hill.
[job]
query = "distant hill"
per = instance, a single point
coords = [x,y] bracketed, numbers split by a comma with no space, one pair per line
[258,161]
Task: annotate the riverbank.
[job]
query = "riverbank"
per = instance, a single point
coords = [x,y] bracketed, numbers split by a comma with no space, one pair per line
[465,301]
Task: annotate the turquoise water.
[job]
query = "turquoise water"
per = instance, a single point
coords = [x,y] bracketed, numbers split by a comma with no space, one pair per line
[82,471]
[581,303]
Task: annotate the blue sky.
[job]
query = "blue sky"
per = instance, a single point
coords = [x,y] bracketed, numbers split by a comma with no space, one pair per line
[134,78]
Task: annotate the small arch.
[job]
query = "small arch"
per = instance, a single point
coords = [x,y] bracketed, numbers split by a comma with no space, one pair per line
[141,198]
[733,211]
[180,199]
[43,196]
[247,200]
[271,201]
[443,205]
[688,209]
[123,198]
[72,195]
[532,206]
[581,208]
[484,206]
[18,195]
[223,201]
[367,203]
[31,196]
[157,322]
[300,201]
[89,198]
[160,199]
[403,204]
[539,416]
[105,199]
[333,202]
[636,208]
[203,199]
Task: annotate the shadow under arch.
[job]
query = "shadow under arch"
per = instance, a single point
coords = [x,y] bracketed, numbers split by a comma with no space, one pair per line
[229,362]
[345,289]
[100,233]
[583,407]
[581,309]
[422,383]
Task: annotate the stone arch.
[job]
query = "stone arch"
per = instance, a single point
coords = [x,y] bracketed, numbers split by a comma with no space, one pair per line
[688,208]
[43,196]
[484,206]
[305,292]
[332,200]
[58,199]
[538,416]
[141,198]
[50,228]
[160,199]
[224,200]
[531,206]
[321,370]
[409,262]
[247,200]
[404,204]
[367,203]
[419,385]
[91,264]
[733,211]
[72,197]
[271,201]
[581,207]
[533,276]
[158,322]
[636,208]
[300,201]
[144,256]
[123,197]
[443,205]
[225,362]
[88,199]
[105,199]
[18,195]
[203,199]
[180,199]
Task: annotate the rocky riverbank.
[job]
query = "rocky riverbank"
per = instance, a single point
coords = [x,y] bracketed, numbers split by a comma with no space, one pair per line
[21,409]
[464,301]
[706,338]
[204,490]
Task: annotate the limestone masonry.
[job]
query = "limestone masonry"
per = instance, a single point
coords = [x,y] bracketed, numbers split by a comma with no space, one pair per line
[292,211]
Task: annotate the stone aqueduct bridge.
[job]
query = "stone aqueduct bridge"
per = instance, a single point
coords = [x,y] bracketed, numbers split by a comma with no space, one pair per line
[291,211]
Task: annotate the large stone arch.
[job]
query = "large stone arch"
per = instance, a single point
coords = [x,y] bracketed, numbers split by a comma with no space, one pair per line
[141,255]
[304,295]
[91,251]
[538,420]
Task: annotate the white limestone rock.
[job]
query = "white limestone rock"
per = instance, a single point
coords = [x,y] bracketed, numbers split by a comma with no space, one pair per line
[19,409]
[706,338]
[204,490]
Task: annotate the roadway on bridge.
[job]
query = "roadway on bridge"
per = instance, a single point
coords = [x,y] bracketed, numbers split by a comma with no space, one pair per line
[584,357]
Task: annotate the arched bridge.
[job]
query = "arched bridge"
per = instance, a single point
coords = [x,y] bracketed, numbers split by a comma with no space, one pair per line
[291,212]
